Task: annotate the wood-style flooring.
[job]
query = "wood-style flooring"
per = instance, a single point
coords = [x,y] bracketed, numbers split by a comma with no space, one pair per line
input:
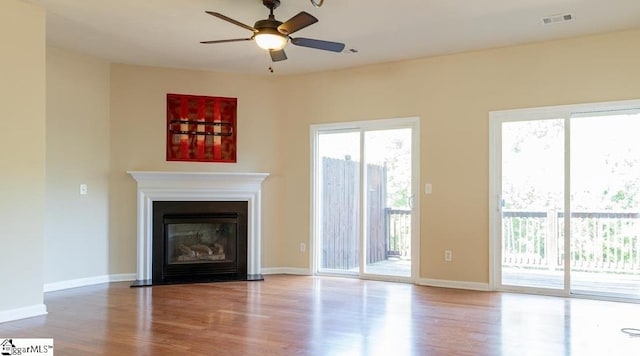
[301,315]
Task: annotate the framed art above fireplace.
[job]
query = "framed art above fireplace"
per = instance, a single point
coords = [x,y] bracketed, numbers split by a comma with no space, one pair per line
[201,128]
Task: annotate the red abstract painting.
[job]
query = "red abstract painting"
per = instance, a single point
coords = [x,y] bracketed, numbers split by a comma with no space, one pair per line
[201,128]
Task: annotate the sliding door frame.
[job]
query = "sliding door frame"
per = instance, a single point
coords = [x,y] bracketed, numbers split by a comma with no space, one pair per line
[496,119]
[362,126]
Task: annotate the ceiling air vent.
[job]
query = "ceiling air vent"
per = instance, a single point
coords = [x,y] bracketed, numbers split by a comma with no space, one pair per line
[557,18]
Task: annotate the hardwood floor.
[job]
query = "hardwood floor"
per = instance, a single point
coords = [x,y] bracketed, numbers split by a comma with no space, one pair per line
[299,315]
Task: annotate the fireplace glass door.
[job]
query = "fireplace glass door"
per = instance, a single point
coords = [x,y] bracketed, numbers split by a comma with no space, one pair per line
[200,242]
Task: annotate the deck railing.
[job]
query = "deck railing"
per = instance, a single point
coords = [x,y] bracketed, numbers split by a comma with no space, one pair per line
[600,241]
[398,232]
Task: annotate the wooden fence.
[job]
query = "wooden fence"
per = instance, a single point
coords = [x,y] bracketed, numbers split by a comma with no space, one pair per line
[340,200]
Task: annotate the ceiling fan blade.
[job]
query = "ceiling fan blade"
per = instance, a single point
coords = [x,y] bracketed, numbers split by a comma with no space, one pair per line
[296,23]
[225,41]
[228,19]
[277,55]
[318,44]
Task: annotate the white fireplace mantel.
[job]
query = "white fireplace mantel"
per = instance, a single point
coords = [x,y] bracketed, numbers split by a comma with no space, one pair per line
[197,186]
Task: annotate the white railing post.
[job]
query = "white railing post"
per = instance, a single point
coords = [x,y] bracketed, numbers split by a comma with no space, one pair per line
[552,239]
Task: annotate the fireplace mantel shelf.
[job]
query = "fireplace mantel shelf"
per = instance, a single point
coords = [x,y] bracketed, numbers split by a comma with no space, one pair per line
[197,186]
[151,178]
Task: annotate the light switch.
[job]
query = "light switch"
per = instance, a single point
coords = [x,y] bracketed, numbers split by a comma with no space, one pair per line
[427,188]
[83,189]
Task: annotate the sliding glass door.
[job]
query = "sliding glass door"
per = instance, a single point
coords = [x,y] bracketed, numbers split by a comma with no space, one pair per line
[338,205]
[388,202]
[532,198]
[566,212]
[605,203]
[363,213]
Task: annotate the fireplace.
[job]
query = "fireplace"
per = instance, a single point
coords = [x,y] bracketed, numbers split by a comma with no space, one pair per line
[199,241]
[213,221]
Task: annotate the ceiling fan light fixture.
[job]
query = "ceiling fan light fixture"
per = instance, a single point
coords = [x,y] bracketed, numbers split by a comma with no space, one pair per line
[271,41]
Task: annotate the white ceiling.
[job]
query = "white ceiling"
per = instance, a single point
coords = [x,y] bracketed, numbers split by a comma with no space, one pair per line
[167,32]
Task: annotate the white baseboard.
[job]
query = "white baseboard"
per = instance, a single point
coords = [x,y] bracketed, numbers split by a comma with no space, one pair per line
[454,284]
[422,281]
[286,270]
[82,282]
[126,277]
[23,313]
[74,283]
[122,277]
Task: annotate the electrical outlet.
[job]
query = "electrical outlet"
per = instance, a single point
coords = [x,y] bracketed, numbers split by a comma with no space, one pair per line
[448,255]
[303,247]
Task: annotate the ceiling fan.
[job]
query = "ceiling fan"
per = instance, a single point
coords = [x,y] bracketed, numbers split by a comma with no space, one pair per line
[273,35]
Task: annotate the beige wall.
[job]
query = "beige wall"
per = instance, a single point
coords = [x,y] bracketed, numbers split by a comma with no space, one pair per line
[22,155]
[76,227]
[453,96]
[138,142]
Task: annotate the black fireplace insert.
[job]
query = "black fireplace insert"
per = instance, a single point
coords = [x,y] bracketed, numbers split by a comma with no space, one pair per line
[199,241]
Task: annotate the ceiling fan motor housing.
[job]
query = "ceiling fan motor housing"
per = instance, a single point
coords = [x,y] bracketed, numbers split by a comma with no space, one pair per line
[267,24]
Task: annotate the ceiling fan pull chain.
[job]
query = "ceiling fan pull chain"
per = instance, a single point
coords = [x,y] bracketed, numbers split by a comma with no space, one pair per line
[317,3]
